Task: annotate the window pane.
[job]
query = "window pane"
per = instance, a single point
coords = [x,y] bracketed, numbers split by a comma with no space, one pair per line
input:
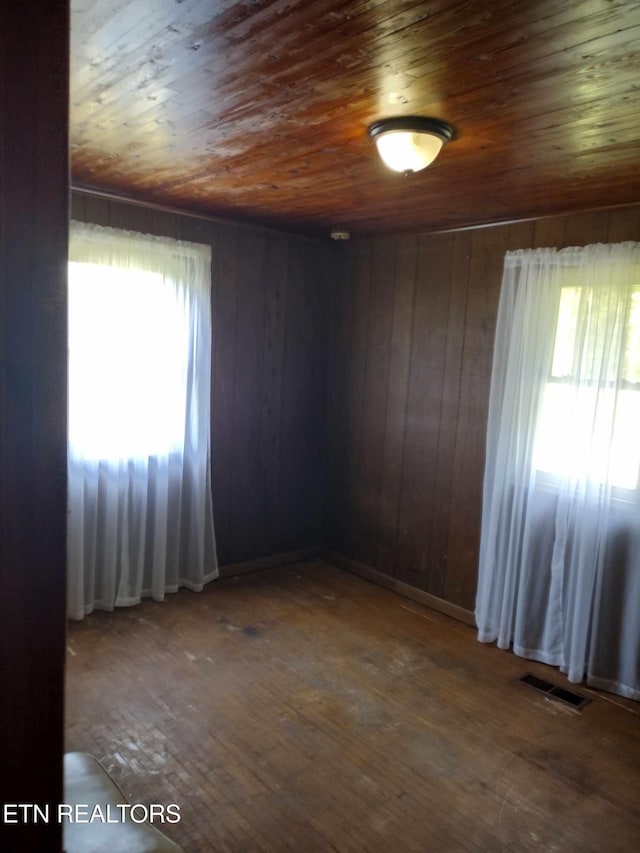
[632,352]
[128,348]
[590,327]
[566,332]
[589,423]
[589,433]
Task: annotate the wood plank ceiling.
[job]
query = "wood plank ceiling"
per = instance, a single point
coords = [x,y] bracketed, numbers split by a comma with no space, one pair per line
[258,110]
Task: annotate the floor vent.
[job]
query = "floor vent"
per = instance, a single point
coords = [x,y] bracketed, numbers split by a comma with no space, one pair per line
[560,693]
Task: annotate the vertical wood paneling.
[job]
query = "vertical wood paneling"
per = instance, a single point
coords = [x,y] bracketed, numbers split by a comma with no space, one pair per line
[33,394]
[459,283]
[624,225]
[521,235]
[301,462]
[275,302]
[371,423]
[397,391]
[268,375]
[77,207]
[97,210]
[548,232]
[339,385]
[428,354]
[222,438]
[247,529]
[361,283]
[443,310]
[409,364]
[166,223]
[584,228]
[133,217]
[488,247]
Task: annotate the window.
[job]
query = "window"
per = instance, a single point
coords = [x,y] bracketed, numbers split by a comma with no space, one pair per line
[128,363]
[560,539]
[140,516]
[590,414]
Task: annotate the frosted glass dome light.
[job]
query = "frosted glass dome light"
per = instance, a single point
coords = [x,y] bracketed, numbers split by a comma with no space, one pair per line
[409,144]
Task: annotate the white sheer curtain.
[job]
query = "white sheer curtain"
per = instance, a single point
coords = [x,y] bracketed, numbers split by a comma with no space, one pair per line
[559,574]
[140,519]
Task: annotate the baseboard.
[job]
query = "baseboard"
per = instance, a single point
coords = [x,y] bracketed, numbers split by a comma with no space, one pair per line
[460,613]
[233,569]
[432,601]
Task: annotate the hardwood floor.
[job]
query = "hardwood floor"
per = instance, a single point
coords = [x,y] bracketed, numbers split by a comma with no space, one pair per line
[305,709]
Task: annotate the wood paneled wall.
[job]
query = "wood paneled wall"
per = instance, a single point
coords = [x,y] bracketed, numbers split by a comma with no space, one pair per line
[411,348]
[33,441]
[269,374]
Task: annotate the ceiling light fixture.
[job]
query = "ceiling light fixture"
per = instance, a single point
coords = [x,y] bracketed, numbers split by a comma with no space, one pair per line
[409,143]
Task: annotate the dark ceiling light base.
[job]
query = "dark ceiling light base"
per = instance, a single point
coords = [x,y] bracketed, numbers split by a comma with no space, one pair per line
[413,124]
[409,143]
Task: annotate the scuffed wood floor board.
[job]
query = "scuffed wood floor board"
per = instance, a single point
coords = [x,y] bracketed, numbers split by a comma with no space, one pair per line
[305,709]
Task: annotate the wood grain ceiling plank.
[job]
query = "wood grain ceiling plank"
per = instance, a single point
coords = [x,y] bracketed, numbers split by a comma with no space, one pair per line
[138,46]
[260,109]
